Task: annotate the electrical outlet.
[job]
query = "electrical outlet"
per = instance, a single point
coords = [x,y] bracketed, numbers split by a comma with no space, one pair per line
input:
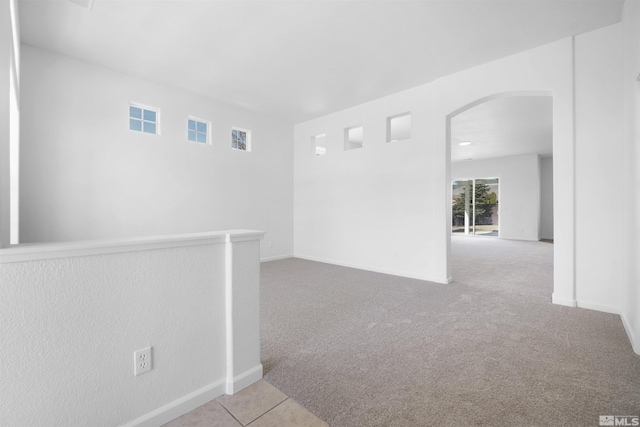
[142,361]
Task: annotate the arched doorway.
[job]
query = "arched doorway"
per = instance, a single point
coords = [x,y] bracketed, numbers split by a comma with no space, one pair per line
[563,291]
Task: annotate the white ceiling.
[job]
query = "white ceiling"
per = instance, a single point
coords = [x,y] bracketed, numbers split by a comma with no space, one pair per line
[504,127]
[297,60]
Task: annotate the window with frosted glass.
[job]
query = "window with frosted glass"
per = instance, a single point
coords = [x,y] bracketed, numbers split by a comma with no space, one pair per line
[241,139]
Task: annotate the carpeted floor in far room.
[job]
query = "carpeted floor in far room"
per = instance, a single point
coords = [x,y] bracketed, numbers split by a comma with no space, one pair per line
[358,348]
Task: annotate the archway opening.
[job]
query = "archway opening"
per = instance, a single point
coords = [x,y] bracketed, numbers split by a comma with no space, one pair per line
[501,186]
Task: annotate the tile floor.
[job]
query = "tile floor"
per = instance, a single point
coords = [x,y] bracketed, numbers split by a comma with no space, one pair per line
[259,405]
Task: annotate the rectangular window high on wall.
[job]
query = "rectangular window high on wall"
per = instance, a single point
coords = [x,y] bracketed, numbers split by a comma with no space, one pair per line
[241,139]
[399,127]
[319,144]
[353,137]
[198,130]
[144,119]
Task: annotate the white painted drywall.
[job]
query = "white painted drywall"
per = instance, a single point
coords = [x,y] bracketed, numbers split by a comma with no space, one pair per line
[600,172]
[519,191]
[369,207]
[386,207]
[9,106]
[630,204]
[5,66]
[87,176]
[545,71]
[243,319]
[546,198]
[72,324]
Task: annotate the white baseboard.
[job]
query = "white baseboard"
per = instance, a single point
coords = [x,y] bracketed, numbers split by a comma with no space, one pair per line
[630,333]
[563,301]
[245,379]
[275,258]
[191,401]
[179,407]
[442,281]
[597,307]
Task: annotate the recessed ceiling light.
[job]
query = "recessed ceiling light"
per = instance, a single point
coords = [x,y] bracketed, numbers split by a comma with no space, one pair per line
[463,143]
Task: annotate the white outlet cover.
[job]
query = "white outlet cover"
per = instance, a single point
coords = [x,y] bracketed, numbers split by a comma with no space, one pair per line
[142,361]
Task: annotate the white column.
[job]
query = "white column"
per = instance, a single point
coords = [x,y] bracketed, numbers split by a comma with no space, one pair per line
[6,39]
[9,122]
[243,309]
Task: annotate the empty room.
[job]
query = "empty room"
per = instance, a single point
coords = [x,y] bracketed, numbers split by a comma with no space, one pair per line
[312,213]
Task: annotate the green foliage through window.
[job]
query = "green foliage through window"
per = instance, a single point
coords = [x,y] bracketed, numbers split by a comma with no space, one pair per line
[485,203]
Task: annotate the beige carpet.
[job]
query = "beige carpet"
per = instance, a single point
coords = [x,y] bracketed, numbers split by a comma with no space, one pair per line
[364,349]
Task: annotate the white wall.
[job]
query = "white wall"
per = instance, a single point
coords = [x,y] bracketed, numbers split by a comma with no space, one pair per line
[519,191]
[86,175]
[544,71]
[546,198]
[630,204]
[600,173]
[72,316]
[9,119]
[386,207]
[369,207]
[5,49]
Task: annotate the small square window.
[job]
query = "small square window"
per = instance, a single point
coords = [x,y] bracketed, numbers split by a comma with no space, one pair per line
[241,139]
[143,119]
[319,144]
[399,127]
[353,138]
[198,130]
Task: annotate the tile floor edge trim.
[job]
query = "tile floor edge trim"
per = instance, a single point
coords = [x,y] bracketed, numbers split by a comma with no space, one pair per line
[181,406]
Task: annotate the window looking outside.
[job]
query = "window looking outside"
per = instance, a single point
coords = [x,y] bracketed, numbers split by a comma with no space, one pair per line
[197,131]
[143,119]
[474,207]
